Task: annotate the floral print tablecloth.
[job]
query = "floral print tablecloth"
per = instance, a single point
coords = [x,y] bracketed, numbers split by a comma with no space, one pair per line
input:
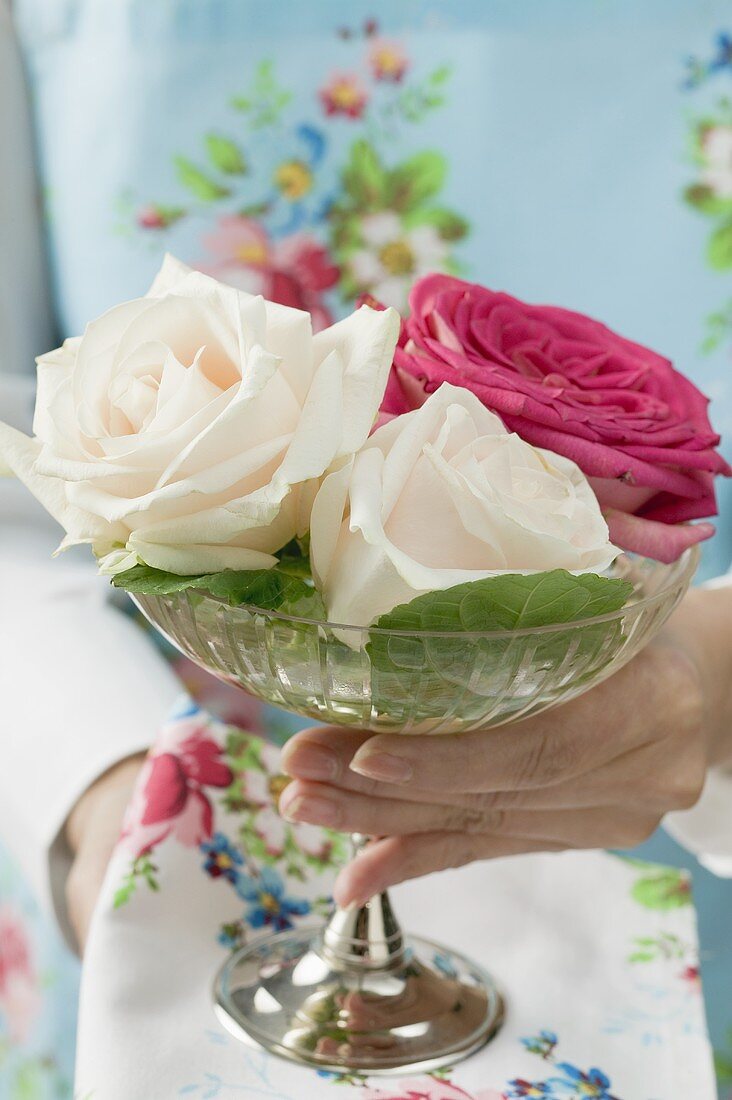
[599,954]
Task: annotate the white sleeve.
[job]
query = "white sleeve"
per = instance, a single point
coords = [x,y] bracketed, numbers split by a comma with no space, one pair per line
[81,686]
[706,829]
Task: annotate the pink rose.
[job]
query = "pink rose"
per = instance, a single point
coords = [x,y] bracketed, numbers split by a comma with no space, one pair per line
[636,427]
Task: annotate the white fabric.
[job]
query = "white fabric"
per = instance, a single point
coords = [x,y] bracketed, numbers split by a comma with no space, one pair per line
[557,932]
[81,686]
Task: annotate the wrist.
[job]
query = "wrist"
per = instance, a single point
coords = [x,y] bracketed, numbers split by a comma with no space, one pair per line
[702,627]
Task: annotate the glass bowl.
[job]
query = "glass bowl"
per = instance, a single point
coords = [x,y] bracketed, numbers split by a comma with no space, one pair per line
[359,995]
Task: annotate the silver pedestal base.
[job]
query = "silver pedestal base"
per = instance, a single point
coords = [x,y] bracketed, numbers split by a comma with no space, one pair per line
[417,1007]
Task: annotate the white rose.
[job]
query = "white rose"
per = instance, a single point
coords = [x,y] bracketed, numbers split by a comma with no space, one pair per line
[445,495]
[181,429]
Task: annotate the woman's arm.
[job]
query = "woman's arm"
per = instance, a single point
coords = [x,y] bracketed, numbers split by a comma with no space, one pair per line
[601,771]
[81,686]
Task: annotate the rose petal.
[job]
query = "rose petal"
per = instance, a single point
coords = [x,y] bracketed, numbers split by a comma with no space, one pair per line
[661,541]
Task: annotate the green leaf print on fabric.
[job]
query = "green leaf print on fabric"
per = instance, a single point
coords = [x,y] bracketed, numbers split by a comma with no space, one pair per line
[719,249]
[416,180]
[142,870]
[197,182]
[265,99]
[663,888]
[225,155]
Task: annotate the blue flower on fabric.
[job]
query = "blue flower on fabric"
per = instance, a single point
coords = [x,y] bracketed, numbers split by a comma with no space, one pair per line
[269,905]
[232,935]
[542,1044]
[593,1085]
[537,1090]
[222,858]
[698,70]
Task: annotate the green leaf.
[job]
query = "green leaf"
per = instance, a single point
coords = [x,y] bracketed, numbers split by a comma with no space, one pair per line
[418,677]
[416,180]
[511,602]
[719,248]
[226,155]
[364,178]
[197,182]
[275,589]
[448,224]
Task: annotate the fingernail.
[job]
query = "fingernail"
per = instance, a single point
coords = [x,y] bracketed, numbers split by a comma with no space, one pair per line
[381,765]
[314,810]
[310,762]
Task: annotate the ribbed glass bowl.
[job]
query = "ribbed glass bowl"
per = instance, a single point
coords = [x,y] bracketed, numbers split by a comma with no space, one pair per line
[426,682]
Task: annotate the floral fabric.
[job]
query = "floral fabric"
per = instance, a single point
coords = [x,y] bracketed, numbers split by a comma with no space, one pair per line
[205,865]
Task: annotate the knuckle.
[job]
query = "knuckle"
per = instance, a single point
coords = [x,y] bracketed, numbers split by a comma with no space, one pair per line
[500,800]
[674,683]
[637,829]
[684,786]
[458,855]
[547,758]
[473,818]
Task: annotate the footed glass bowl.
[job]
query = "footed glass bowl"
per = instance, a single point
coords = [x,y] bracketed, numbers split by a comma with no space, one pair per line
[359,995]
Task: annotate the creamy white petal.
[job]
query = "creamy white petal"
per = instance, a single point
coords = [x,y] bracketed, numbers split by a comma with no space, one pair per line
[326,520]
[19,455]
[94,366]
[199,558]
[172,272]
[319,430]
[365,342]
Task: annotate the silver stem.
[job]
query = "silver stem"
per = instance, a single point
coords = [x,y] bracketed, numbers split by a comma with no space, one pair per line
[364,936]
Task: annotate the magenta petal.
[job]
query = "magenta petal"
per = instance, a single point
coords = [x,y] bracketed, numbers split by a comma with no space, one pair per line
[166,789]
[662,541]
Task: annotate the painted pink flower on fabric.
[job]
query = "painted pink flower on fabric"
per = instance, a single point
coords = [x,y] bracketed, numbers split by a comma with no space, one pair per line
[344,95]
[294,271]
[170,798]
[388,61]
[636,427]
[20,996]
[692,976]
[426,1088]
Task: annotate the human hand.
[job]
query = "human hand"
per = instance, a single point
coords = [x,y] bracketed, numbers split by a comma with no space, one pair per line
[600,771]
[92,830]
